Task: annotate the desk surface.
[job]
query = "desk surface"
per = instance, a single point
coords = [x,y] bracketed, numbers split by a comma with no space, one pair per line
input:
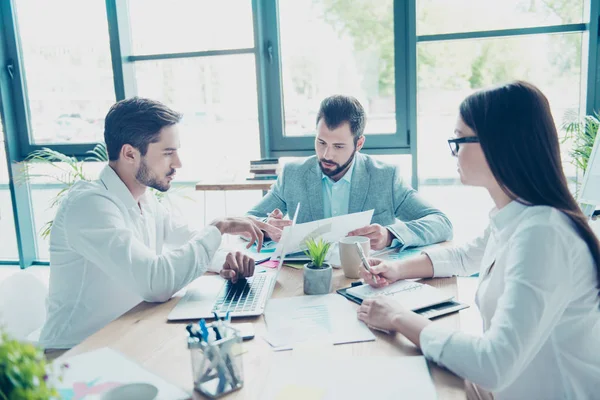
[235,185]
[144,335]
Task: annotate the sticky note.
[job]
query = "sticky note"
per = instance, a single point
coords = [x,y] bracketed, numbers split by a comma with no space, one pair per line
[270,264]
[298,392]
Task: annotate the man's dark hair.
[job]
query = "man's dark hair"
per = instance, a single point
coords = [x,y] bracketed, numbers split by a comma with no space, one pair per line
[137,122]
[337,109]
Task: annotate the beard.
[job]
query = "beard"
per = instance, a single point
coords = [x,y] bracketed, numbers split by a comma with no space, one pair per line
[145,177]
[339,168]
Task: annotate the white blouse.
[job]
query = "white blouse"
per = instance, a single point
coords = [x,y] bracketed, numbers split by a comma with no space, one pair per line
[538,298]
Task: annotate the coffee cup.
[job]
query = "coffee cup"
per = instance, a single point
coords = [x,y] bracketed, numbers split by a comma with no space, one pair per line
[349,257]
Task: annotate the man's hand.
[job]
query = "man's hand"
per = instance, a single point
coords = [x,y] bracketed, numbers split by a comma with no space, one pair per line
[247,227]
[237,265]
[379,235]
[276,220]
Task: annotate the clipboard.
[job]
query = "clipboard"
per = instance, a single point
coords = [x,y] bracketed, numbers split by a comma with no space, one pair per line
[431,312]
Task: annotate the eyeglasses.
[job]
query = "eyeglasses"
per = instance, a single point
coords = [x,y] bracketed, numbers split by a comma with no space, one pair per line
[454,143]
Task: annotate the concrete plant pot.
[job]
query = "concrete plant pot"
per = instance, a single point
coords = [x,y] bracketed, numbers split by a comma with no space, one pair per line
[318,280]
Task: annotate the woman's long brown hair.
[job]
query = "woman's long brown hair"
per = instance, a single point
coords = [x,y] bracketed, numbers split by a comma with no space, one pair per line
[520,142]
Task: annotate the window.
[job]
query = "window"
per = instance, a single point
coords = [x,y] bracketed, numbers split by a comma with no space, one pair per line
[68,70]
[454,60]
[441,16]
[158,26]
[327,47]
[449,71]
[217,96]
[337,47]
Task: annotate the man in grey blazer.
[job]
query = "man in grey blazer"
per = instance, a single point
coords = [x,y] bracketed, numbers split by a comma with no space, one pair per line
[340,180]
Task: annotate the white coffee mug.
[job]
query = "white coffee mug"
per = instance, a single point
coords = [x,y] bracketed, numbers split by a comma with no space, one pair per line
[349,257]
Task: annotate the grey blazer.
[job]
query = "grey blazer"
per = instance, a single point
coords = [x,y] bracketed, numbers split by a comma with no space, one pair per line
[375,185]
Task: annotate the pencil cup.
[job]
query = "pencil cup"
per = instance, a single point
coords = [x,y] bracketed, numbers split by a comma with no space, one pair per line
[217,364]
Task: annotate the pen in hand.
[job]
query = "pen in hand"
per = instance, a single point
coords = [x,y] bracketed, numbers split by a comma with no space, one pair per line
[365,262]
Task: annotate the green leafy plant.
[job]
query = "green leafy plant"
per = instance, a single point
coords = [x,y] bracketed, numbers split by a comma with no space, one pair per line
[583,134]
[317,251]
[24,371]
[70,170]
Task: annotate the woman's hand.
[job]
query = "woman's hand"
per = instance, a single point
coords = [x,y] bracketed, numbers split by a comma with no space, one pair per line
[384,272]
[380,312]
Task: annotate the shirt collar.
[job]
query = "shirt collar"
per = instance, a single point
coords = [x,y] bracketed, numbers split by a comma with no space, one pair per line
[115,186]
[499,219]
[347,176]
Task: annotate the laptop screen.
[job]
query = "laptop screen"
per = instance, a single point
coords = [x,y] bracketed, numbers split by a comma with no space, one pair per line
[284,238]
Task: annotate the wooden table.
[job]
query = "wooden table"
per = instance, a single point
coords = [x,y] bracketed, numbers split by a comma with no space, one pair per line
[225,186]
[144,335]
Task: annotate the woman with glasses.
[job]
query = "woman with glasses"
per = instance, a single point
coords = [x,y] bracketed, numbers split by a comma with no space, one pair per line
[538,262]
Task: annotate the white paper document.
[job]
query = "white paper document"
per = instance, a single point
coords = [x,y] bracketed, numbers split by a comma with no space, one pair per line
[324,378]
[329,229]
[92,374]
[328,318]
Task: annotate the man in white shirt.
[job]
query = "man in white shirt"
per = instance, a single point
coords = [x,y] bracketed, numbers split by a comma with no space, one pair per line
[113,245]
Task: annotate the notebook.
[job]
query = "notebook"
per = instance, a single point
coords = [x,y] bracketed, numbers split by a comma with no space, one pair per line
[422,299]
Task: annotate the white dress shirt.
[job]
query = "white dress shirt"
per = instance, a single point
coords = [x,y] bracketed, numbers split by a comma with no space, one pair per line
[108,253]
[538,299]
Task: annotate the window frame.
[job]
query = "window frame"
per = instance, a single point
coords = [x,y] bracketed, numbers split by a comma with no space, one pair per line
[398,142]
[14,98]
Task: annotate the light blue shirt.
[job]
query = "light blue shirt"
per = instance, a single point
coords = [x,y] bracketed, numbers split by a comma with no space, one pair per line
[336,195]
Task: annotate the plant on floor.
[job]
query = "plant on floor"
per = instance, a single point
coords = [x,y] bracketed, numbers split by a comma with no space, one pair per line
[24,372]
[69,170]
[317,252]
[582,131]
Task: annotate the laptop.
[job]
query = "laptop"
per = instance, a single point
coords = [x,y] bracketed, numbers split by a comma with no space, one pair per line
[245,298]
[412,295]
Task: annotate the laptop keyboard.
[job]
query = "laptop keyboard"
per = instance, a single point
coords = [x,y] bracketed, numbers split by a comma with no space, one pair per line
[241,296]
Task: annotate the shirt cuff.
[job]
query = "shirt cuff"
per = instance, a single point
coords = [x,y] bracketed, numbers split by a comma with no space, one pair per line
[433,339]
[397,237]
[216,264]
[442,264]
[210,238]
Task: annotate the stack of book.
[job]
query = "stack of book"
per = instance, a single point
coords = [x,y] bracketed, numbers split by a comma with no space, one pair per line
[265,169]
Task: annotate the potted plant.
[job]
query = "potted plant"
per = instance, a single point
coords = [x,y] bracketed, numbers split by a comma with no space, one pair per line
[317,273]
[24,371]
[582,133]
[69,170]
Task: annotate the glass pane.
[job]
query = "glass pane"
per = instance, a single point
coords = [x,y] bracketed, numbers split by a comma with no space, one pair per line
[68,68]
[443,16]
[449,71]
[159,26]
[8,244]
[334,47]
[217,95]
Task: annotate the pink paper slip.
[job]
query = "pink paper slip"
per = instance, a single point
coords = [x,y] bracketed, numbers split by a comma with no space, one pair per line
[270,264]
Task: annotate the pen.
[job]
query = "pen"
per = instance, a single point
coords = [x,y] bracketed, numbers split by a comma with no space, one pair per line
[365,263]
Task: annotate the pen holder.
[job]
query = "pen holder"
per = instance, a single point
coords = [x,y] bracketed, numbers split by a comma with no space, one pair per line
[217,365]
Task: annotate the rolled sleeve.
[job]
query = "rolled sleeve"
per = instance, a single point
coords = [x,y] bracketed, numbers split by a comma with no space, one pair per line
[433,339]
[442,262]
